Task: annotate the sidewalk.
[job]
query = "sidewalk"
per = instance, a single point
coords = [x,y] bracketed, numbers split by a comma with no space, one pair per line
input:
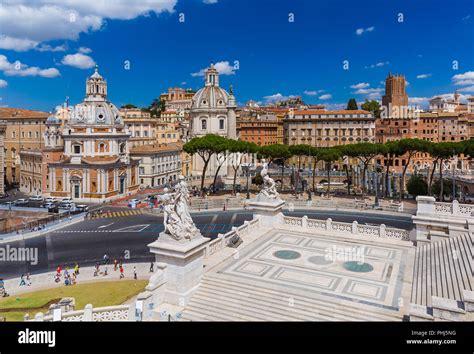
[46,280]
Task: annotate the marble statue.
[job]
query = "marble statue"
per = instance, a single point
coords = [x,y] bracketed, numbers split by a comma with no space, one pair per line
[269,190]
[177,221]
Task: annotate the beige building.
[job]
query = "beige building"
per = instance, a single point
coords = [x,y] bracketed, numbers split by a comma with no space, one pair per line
[24,131]
[159,164]
[31,171]
[177,99]
[323,128]
[141,125]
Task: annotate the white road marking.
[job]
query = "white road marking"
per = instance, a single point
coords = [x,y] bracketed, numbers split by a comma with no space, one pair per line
[102,226]
[134,228]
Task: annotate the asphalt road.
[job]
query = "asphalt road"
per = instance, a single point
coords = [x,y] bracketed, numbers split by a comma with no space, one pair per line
[87,242]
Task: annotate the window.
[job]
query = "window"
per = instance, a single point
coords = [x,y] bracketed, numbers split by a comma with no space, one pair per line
[204,124]
[13,135]
[77,149]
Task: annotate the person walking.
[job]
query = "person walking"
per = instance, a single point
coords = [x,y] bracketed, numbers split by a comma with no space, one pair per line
[22,280]
[76,269]
[115,264]
[121,272]
[135,273]
[105,273]
[152,267]
[28,280]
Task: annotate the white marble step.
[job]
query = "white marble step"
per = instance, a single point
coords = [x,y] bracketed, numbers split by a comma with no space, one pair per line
[223,299]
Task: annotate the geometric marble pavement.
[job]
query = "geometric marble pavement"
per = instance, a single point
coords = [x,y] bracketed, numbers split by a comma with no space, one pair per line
[369,272]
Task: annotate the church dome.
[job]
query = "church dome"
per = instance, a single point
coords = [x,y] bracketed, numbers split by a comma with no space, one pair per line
[96,109]
[52,119]
[211,96]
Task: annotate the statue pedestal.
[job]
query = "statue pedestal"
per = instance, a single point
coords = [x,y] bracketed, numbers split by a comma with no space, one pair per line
[269,211]
[184,266]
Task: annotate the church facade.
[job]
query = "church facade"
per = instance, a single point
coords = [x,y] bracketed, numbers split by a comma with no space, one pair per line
[87,155]
[212,112]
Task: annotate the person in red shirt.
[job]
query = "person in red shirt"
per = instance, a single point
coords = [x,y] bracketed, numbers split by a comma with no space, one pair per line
[121,272]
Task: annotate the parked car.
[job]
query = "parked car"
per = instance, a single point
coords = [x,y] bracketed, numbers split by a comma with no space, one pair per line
[67,206]
[36,198]
[66,200]
[21,201]
[50,200]
[48,205]
[81,208]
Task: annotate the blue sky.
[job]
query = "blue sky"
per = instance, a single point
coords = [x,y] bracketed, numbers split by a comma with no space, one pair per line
[276,57]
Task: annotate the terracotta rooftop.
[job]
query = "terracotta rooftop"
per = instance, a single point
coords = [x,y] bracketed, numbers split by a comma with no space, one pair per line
[153,148]
[13,113]
[324,112]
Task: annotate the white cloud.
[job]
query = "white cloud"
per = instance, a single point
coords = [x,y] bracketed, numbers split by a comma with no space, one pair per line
[222,67]
[360,31]
[312,92]
[418,101]
[276,98]
[465,18]
[467,89]
[209,2]
[325,97]
[84,50]
[360,85]
[423,76]
[78,60]
[48,48]
[27,23]
[20,69]
[17,44]
[3,83]
[464,79]
[183,83]
[369,93]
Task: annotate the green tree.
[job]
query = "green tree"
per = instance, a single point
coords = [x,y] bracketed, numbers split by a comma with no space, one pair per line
[220,151]
[352,105]
[274,152]
[442,152]
[205,148]
[417,186]
[365,152]
[408,148]
[391,151]
[372,106]
[238,149]
[128,106]
[314,152]
[329,155]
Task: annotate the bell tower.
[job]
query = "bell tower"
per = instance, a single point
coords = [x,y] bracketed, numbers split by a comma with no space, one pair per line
[96,86]
[395,95]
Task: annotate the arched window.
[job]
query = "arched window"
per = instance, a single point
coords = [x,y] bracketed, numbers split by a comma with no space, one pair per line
[204,124]
[221,124]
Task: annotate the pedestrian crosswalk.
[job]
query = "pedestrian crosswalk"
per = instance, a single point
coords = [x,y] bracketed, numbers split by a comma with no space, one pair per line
[117,214]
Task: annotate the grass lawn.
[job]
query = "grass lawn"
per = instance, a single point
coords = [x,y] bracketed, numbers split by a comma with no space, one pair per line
[100,294]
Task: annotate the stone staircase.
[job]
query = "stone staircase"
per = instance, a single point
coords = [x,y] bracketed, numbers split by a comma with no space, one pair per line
[222,297]
[443,281]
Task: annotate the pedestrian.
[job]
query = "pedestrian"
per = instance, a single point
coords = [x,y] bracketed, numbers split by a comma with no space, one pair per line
[74,278]
[106,259]
[105,273]
[28,280]
[76,269]
[58,270]
[66,272]
[22,280]
[135,273]
[96,271]
[115,264]
[152,266]
[121,272]
[3,292]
